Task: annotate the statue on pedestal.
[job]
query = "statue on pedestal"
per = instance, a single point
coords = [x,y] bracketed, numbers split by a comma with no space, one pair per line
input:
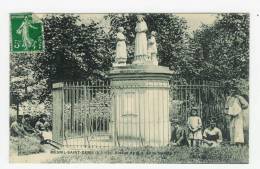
[152,49]
[140,40]
[121,53]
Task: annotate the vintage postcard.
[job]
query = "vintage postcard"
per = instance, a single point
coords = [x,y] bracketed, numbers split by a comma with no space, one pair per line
[161,88]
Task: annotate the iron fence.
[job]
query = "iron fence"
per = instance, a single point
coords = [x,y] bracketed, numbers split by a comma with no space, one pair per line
[84,115]
[207,96]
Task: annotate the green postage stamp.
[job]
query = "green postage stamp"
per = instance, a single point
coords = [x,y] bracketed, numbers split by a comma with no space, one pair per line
[26,33]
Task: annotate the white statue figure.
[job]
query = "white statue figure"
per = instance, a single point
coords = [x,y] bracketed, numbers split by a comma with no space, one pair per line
[121,53]
[152,49]
[140,40]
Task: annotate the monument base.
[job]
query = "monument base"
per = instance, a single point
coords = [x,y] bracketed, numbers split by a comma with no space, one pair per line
[140,104]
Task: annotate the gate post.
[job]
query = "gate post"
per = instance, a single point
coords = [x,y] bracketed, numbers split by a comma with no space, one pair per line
[57,122]
[113,119]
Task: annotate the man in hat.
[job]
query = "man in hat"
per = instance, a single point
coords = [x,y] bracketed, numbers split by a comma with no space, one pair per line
[178,135]
[235,106]
[212,136]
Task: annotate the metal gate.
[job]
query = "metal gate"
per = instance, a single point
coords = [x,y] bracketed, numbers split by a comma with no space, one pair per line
[87,113]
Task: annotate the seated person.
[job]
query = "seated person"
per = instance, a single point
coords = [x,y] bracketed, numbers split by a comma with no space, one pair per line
[39,126]
[26,124]
[43,127]
[212,135]
[178,135]
[17,129]
[47,126]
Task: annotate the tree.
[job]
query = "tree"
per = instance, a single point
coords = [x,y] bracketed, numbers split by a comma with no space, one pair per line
[73,51]
[25,89]
[224,48]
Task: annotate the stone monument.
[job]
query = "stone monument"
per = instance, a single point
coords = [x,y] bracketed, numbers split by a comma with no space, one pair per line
[140,103]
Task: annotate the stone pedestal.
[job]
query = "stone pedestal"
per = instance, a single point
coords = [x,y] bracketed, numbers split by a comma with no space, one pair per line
[140,105]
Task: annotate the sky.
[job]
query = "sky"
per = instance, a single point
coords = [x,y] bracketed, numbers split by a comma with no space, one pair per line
[194,20]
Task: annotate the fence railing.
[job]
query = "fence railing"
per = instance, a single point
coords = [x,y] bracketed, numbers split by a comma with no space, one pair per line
[208,97]
[84,118]
[87,113]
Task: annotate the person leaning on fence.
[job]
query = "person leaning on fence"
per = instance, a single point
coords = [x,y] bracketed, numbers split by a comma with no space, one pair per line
[194,125]
[178,134]
[235,105]
[212,136]
[17,129]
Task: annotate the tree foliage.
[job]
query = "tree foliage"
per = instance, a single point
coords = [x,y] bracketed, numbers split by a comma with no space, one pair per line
[73,51]
[223,48]
[25,89]
[23,84]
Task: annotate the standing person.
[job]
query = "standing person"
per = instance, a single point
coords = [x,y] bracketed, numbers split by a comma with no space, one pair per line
[140,39]
[234,109]
[194,125]
[212,136]
[178,135]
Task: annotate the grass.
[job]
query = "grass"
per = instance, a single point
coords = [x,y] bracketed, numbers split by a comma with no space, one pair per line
[25,146]
[170,154]
[226,154]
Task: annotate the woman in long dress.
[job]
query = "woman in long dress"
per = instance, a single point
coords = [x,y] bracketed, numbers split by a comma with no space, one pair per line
[234,108]
[140,39]
[121,53]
